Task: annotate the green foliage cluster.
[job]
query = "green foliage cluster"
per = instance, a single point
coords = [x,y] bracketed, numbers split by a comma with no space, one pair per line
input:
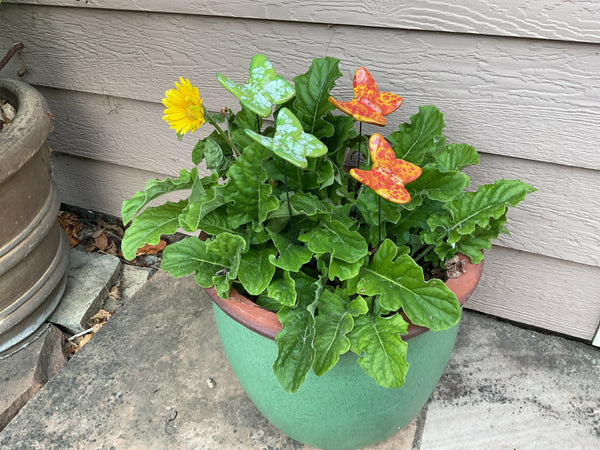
[334,286]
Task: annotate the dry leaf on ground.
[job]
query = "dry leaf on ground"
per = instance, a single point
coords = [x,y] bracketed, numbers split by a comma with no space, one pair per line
[151,249]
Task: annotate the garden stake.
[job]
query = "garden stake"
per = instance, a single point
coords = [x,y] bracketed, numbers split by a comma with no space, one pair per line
[287,193]
[379,217]
[14,49]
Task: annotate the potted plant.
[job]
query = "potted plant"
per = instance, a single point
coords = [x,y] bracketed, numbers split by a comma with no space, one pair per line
[326,269]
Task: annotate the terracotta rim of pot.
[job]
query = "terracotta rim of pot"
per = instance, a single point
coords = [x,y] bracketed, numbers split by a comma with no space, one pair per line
[266,323]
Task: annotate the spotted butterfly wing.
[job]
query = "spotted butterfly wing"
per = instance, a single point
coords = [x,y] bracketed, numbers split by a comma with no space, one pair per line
[263,89]
[388,175]
[369,104]
[290,141]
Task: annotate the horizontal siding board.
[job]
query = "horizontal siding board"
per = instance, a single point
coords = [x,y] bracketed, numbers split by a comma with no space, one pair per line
[119,131]
[99,186]
[556,295]
[541,19]
[561,220]
[532,100]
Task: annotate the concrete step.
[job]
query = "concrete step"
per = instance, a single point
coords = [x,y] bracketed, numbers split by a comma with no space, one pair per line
[24,370]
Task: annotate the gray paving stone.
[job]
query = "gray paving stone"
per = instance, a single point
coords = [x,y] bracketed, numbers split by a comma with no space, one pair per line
[89,279]
[132,279]
[508,387]
[23,373]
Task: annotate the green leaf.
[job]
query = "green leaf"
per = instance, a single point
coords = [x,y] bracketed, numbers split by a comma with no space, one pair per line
[150,225]
[256,271]
[472,209]
[216,161]
[325,171]
[456,157]
[290,142]
[311,206]
[196,210]
[190,255]
[415,219]
[200,149]
[436,185]
[368,203]
[291,256]
[336,239]
[382,351]
[332,324]
[344,270]
[338,141]
[283,289]
[263,89]
[398,280]
[155,188]
[423,135]
[229,247]
[295,340]
[252,198]
[473,244]
[215,222]
[214,263]
[312,92]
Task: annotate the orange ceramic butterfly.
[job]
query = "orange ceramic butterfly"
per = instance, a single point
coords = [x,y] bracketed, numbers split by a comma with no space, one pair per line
[369,104]
[388,174]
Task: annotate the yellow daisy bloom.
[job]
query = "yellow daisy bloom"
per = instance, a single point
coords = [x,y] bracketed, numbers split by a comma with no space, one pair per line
[184,107]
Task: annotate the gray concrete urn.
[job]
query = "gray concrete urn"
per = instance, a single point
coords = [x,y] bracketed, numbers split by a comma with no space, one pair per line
[33,247]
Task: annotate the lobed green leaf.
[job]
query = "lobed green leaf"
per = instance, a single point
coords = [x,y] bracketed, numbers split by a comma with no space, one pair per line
[332,324]
[155,188]
[214,263]
[382,351]
[312,91]
[423,135]
[456,157]
[399,283]
[336,239]
[251,198]
[150,225]
[291,255]
[256,270]
[296,353]
[475,209]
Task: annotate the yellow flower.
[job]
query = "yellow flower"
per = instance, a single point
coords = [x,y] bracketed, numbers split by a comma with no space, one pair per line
[184,107]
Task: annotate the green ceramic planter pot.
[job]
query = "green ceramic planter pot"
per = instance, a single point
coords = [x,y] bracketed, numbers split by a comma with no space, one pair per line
[344,408]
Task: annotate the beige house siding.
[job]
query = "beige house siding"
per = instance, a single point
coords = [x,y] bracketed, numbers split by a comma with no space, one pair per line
[520,81]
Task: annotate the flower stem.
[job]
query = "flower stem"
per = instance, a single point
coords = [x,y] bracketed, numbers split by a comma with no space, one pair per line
[214,123]
[424,252]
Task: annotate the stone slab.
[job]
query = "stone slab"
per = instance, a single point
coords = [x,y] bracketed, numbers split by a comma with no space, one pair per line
[23,373]
[89,279]
[508,387]
[132,279]
[143,382]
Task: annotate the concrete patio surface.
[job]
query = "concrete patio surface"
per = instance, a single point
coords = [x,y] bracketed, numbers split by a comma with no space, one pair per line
[155,377]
